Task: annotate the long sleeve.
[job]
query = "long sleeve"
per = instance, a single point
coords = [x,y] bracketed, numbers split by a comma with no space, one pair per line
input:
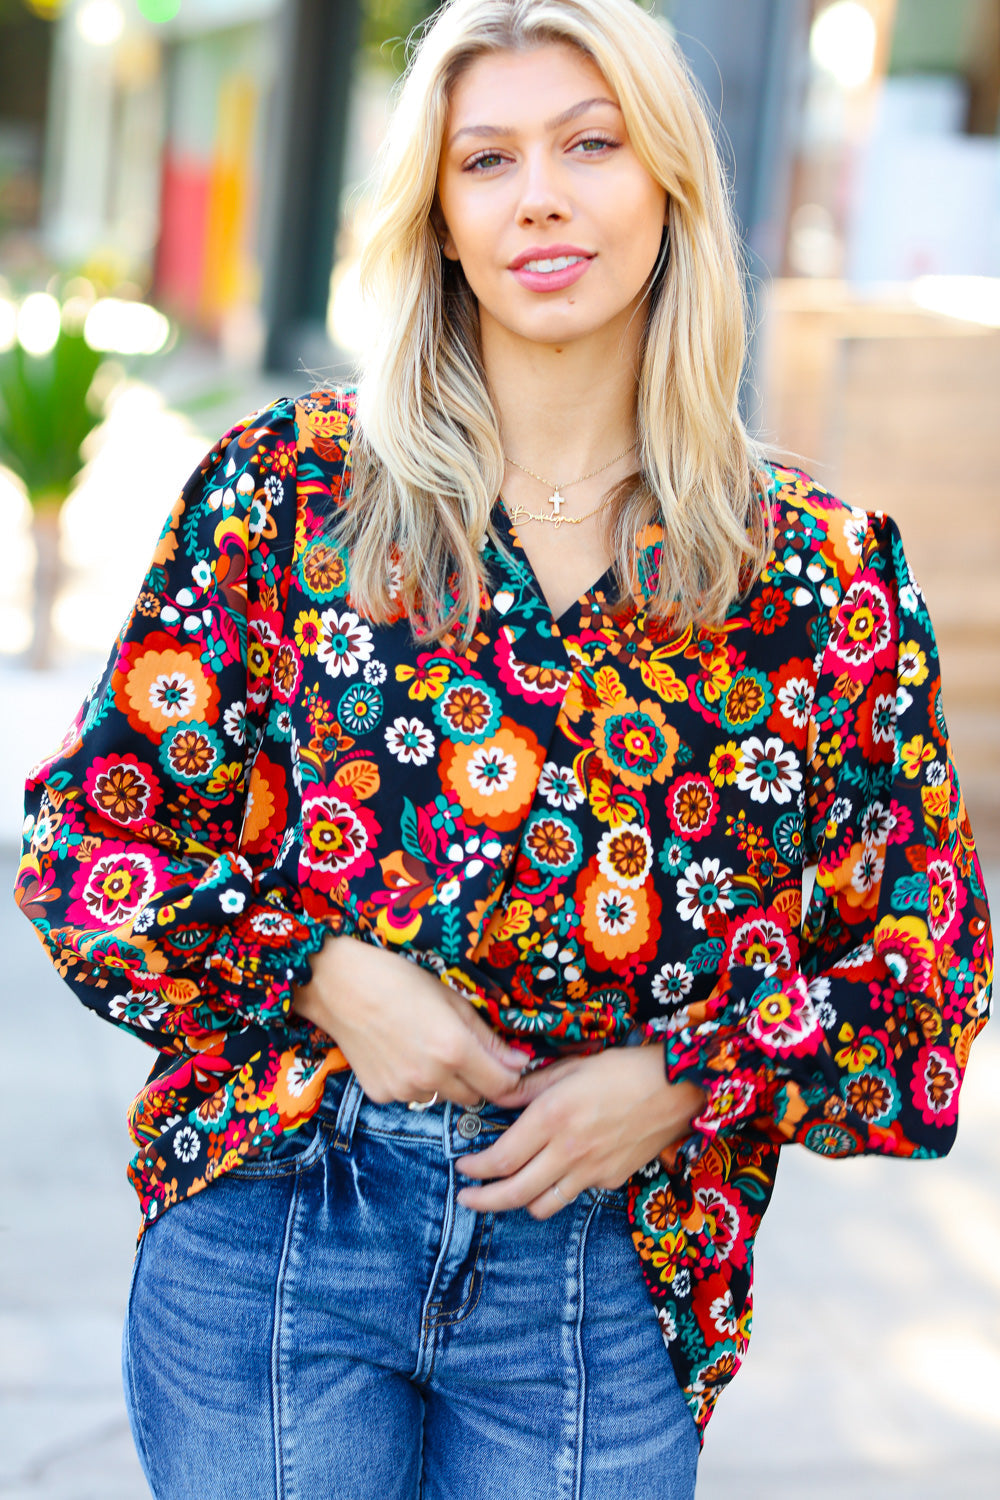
[862,1045]
[154,843]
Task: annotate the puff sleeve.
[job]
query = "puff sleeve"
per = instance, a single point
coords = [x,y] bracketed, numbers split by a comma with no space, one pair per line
[862,1045]
[135,870]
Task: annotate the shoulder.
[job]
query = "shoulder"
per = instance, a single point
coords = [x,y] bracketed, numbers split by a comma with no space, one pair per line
[821,536]
[320,422]
[324,420]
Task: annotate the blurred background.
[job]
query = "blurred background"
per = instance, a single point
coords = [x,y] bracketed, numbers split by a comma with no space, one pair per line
[182,195]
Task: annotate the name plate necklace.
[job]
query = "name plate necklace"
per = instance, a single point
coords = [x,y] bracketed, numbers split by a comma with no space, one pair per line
[556,499]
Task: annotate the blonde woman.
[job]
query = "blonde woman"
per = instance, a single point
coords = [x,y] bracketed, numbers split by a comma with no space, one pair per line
[441,816]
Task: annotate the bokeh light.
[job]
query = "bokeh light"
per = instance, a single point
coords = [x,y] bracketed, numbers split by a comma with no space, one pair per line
[122,327]
[973,299]
[100,22]
[842,42]
[8,325]
[38,322]
[159,11]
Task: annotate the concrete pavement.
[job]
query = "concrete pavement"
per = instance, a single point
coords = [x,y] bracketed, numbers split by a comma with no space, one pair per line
[874,1371]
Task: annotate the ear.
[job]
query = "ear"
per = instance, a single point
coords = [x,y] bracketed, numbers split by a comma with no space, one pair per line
[442,231]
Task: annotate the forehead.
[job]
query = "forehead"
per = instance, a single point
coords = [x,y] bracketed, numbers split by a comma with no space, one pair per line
[515,87]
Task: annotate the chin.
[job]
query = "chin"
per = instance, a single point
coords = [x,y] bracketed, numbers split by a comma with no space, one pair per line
[565,326]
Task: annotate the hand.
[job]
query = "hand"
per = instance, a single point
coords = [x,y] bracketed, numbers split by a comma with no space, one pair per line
[403,1032]
[591,1122]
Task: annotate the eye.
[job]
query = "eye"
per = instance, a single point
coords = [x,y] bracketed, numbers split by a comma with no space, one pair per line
[598,142]
[485,159]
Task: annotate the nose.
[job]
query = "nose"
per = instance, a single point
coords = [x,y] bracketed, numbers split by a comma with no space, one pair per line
[542,196]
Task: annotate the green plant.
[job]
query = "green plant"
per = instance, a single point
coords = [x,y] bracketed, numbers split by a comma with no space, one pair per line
[47,408]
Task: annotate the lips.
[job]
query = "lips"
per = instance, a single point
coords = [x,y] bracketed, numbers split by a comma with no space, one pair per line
[549,253]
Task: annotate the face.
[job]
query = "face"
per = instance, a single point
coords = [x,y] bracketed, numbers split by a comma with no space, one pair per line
[543,200]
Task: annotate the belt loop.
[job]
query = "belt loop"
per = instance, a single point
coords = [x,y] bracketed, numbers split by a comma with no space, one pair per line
[347,1114]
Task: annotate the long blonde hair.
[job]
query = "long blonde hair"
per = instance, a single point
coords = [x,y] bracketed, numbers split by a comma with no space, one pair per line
[427,460]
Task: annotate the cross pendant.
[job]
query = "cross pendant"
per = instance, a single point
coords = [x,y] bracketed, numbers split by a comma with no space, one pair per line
[556,501]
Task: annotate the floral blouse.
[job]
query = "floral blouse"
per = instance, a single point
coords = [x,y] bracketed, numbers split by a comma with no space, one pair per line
[594,827]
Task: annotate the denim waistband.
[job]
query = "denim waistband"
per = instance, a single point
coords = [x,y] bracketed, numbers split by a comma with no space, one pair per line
[457,1128]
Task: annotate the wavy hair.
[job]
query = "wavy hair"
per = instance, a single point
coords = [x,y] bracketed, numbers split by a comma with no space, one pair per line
[427,461]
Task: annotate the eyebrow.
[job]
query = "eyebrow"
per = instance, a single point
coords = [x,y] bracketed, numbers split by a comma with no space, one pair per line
[553,124]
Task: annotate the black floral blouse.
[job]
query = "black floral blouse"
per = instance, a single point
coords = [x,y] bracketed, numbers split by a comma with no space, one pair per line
[594,827]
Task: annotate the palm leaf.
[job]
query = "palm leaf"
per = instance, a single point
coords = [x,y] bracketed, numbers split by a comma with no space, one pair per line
[45,413]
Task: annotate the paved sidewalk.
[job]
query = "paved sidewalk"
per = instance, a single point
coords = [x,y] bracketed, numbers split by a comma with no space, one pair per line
[889,1391]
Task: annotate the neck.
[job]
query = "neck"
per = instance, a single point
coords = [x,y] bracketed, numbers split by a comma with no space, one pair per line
[563,408]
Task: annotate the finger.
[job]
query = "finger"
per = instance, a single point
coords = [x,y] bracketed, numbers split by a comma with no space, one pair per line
[530,1085]
[460,1091]
[520,1189]
[485,1073]
[491,1041]
[517,1146]
[550,1203]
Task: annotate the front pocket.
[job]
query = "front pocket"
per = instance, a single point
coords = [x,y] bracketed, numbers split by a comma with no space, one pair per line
[293,1151]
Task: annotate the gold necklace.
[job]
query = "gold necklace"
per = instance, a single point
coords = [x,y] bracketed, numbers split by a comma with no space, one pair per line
[557,499]
[519,513]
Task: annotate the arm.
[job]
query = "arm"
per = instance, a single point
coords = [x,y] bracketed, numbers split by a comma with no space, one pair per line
[158,893]
[863,1047]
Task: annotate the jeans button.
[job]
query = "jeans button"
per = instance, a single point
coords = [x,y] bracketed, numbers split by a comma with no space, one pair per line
[469,1126]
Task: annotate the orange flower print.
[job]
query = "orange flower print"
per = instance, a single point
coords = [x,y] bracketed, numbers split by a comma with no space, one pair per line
[299,1083]
[190,752]
[467,710]
[636,741]
[324,571]
[624,855]
[164,685]
[660,1211]
[267,806]
[494,780]
[287,672]
[617,926]
[552,844]
[692,807]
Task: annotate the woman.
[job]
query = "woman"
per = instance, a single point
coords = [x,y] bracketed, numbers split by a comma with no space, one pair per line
[526,673]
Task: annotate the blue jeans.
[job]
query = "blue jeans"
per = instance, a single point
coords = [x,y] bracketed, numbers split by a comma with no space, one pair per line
[328,1323]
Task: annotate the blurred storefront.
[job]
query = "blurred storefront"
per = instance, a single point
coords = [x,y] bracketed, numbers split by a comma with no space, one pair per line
[882,341]
[25,47]
[156,150]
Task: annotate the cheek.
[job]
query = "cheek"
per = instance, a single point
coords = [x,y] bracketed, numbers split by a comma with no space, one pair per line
[471,228]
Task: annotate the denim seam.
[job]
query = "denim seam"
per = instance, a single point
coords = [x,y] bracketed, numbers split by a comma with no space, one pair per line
[579,1282]
[279,1310]
[428,1319]
[445,1320]
[347,1114]
[394,1135]
[142,1443]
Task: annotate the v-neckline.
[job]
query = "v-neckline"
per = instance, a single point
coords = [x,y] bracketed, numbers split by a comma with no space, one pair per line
[601,585]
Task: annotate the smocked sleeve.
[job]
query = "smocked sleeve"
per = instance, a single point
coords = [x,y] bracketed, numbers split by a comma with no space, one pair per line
[135,868]
[862,1047]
